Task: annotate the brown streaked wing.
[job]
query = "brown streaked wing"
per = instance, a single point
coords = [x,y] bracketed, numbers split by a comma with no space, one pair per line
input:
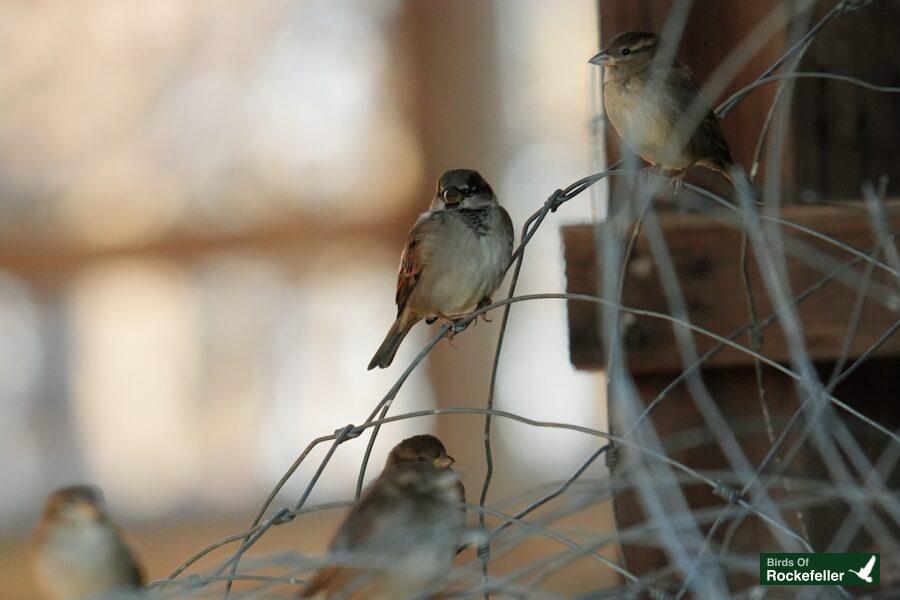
[411,262]
[708,142]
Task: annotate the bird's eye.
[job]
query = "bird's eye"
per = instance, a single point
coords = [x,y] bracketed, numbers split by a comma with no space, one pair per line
[626,51]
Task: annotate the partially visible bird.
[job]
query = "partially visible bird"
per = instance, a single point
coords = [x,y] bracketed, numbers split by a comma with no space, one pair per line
[455,257]
[402,535]
[658,111]
[79,551]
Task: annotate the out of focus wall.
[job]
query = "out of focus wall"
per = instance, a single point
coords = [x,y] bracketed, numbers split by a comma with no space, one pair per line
[202,207]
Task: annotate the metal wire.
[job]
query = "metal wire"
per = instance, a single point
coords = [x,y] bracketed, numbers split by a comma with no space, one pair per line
[686,535]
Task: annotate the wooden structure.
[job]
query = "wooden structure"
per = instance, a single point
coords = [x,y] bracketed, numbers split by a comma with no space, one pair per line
[824,157]
[706,256]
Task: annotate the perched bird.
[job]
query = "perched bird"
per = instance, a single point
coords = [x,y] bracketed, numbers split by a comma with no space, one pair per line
[455,257]
[79,551]
[402,535]
[657,109]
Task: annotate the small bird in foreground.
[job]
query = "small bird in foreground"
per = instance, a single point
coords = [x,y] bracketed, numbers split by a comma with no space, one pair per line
[80,552]
[658,111]
[455,257]
[402,535]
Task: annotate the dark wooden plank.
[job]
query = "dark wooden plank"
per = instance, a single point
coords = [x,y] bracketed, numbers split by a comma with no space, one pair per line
[872,389]
[706,254]
[686,439]
[842,134]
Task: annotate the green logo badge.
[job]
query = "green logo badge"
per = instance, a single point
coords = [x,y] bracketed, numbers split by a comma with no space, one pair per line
[838,568]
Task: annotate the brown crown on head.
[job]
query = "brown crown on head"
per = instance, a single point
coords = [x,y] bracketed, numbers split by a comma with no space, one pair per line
[419,449]
[76,495]
[633,41]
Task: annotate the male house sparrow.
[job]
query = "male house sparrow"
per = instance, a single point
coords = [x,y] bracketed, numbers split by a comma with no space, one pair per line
[403,533]
[648,106]
[455,257]
[80,552]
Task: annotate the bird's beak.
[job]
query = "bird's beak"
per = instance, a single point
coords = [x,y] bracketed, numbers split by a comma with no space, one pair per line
[601,58]
[443,462]
[452,196]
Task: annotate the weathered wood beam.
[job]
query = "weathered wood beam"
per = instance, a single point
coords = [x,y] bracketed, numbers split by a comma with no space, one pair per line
[706,254]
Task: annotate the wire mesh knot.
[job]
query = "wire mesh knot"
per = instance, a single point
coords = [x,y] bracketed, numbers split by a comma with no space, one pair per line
[282,516]
[348,432]
[193,581]
[556,200]
[483,551]
[756,337]
[612,456]
[725,491]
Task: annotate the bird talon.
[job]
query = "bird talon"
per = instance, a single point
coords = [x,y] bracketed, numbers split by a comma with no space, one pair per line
[486,301]
[458,326]
[677,182]
[648,173]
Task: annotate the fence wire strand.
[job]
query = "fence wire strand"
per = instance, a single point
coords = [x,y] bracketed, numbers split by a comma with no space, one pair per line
[699,561]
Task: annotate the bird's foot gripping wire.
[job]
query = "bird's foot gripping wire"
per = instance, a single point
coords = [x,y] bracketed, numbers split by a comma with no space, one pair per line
[457,326]
[649,174]
[486,301]
[677,182]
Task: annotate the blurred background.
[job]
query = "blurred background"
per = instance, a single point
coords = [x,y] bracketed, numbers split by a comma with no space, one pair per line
[202,208]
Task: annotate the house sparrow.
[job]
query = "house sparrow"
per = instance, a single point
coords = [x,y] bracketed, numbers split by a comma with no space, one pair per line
[79,552]
[403,533]
[455,257]
[648,103]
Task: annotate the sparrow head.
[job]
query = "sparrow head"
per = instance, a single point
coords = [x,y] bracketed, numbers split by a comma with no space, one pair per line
[76,505]
[629,51]
[462,188]
[419,450]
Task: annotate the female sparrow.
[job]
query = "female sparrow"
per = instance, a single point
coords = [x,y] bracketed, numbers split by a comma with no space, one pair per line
[402,535]
[79,551]
[647,104]
[455,258]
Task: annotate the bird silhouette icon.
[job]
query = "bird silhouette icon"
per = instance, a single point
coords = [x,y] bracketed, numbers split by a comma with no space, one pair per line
[866,572]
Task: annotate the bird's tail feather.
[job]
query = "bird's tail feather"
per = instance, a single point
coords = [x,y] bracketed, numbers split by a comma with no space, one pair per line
[325,579]
[385,353]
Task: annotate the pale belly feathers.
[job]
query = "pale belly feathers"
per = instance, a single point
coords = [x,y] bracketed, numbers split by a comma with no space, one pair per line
[461,270]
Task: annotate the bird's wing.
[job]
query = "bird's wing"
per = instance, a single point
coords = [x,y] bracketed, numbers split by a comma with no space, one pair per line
[331,580]
[412,260]
[713,141]
[708,142]
[358,526]
[868,568]
[507,225]
[131,565]
[461,489]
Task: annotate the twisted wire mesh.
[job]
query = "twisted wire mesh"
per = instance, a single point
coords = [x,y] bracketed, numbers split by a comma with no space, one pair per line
[687,535]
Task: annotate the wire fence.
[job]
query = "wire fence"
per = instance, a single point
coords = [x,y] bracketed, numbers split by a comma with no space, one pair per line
[698,542]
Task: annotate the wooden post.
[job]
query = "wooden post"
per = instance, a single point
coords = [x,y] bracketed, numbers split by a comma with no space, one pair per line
[706,255]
